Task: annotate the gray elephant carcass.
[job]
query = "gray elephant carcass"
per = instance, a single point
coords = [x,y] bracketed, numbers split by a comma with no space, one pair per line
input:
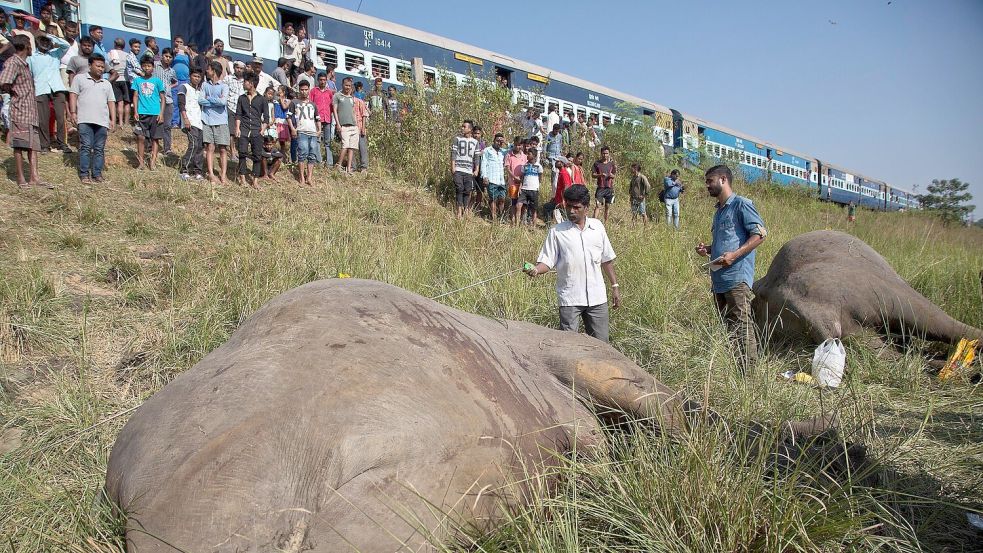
[351,414]
[829,284]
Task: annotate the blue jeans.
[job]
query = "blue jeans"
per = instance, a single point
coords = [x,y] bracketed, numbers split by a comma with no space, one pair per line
[92,149]
[308,148]
[672,211]
[327,131]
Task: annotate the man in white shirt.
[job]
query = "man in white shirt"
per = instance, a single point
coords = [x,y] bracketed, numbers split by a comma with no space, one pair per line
[580,251]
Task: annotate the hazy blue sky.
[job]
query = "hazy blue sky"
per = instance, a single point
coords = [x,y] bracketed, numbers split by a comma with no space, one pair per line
[892,90]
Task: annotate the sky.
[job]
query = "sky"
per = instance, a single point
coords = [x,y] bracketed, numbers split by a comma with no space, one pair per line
[889,89]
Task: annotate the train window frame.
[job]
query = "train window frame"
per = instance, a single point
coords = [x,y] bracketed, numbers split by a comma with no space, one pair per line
[381,61]
[353,54]
[539,103]
[606,120]
[432,73]
[236,42]
[328,49]
[145,8]
[404,69]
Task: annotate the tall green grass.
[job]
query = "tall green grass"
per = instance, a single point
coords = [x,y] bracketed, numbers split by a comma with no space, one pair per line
[89,329]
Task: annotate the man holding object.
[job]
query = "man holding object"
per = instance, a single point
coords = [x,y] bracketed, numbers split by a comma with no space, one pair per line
[737,230]
[579,250]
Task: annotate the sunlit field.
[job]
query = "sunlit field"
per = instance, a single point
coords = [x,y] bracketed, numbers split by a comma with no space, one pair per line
[109,291]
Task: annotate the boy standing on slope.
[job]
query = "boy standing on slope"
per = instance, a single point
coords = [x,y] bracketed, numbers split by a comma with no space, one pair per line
[148,111]
[464,166]
[638,191]
[529,193]
[308,130]
[190,110]
[604,171]
[91,107]
[214,99]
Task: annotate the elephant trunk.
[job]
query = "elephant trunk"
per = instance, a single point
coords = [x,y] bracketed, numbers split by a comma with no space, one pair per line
[923,318]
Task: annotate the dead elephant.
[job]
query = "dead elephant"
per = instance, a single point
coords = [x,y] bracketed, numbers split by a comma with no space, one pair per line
[828,284]
[351,414]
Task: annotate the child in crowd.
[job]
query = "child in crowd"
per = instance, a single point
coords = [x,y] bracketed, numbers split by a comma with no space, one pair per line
[528,200]
[283,117]
[307,132]
[148,107]
[272,158]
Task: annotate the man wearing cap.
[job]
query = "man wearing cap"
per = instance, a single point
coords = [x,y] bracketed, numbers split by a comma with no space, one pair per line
[265,79]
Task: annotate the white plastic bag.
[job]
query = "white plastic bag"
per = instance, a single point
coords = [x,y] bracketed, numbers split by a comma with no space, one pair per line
[828,363]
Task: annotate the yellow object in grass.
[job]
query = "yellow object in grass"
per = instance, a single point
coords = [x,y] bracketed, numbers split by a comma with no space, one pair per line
[344,275]
[804,378]
[961,360]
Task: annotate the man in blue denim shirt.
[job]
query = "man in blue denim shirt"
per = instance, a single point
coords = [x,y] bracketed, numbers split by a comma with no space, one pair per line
[737,230]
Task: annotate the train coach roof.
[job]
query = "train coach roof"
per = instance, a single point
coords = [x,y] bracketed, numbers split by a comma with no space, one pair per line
[743,136]
[449,44]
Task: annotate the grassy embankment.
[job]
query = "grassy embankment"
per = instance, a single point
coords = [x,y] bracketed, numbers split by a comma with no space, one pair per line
[108,292]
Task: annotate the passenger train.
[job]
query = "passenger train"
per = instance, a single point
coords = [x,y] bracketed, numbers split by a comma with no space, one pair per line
[365,47]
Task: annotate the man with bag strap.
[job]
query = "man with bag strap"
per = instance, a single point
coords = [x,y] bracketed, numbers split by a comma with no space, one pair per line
[737,230]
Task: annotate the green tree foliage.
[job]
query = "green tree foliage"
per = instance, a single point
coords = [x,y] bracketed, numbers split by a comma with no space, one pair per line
[948,198]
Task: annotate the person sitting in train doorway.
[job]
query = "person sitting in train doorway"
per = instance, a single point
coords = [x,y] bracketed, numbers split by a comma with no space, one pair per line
[851,212]
[604,171]
[343,113]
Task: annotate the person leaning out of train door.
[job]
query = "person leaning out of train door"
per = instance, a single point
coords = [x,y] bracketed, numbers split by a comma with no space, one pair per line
[737,230]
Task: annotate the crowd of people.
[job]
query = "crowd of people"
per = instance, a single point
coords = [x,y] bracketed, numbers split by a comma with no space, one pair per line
[56,83]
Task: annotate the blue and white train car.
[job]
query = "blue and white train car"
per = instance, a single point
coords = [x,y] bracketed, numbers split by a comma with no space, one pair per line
[757,159]
[365,47]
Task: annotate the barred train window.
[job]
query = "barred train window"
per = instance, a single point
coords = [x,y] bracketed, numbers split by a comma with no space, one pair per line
[404,73]
[353,60]
[136,16]
[380,67]
[328,55]
[240,38]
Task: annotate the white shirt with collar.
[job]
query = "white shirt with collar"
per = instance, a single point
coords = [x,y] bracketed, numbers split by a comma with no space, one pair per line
[577,256]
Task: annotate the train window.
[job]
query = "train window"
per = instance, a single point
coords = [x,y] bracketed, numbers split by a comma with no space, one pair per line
[327,54]
[606,120]
[240,38]
[380,68]
[551,104]
[523,99]
[404,73]
[539,104]
[354,60]
[430,77]
[136,16]
[567,111]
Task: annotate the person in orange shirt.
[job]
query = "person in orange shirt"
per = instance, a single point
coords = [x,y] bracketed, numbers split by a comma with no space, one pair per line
[514,160]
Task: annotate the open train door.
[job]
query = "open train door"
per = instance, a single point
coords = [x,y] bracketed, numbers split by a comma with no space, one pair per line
[193,20]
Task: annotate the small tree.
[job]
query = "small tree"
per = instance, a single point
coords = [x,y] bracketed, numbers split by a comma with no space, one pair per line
[948,197]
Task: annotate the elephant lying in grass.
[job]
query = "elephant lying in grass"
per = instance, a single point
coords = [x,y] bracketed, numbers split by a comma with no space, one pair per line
[351,414]
[828,284]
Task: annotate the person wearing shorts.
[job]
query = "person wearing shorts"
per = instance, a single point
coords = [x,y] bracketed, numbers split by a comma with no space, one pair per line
[16,80]
[464,166]
[493,175]
[343,112]
[214,100]
[604,171]
[308,130]
[529,193]
[148,110]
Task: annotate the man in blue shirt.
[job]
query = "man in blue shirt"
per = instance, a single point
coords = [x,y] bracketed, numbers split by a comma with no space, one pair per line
[672,188]
[45,65]
[737,230]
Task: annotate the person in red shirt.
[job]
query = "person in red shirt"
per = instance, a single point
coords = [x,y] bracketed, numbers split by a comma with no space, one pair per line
[322,96]
[578,169]
[563,181]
